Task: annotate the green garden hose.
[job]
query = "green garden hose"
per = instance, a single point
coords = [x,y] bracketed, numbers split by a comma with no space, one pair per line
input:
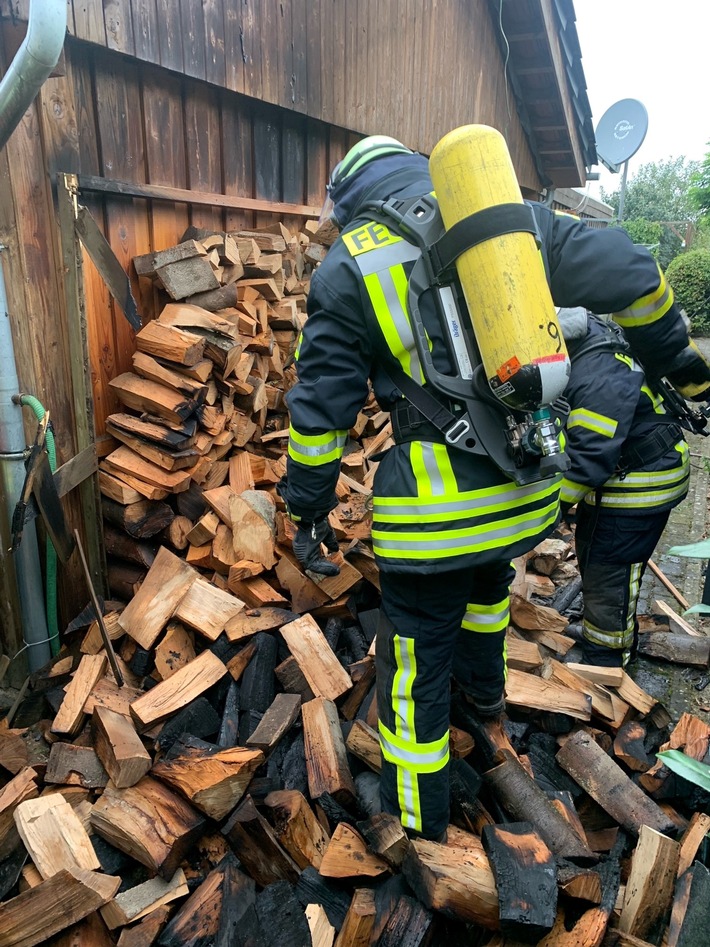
[51,554]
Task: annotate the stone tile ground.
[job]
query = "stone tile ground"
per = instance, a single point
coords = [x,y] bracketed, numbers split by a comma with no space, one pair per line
[681,689]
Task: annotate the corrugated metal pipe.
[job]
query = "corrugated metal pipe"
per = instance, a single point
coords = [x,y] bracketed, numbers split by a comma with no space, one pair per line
[32,64]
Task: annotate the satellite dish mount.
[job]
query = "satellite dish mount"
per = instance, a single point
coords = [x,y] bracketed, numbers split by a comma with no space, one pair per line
[619,135]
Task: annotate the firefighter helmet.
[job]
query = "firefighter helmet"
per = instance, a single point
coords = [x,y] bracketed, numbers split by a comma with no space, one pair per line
[375,146]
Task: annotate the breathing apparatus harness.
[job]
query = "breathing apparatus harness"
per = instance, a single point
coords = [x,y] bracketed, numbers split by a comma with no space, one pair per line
[639,452]
[523,444]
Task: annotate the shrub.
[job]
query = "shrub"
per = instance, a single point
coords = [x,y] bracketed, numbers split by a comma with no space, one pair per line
[689,275]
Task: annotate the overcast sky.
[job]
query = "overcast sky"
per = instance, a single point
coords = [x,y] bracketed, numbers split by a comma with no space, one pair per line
[657,52]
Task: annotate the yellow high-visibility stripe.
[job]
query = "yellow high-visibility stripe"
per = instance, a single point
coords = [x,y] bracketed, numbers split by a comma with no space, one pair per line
[430,508]
[487,618]
[387,324]
[405,729]
[592,421]
[647,309]
[456,542]
[314,450]
[571,492]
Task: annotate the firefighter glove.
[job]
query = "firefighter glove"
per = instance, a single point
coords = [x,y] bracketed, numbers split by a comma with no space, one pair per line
[689,373]
[307,546]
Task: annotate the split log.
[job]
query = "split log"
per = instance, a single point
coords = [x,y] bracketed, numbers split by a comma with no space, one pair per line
[467,811]
[325,675]
[140,520]
[21,787]
[520,796]
[148,822]
[212,779]
[296,827]
[71,712]
[322,931]
[630,749]
[37,914]
[364,743]
[93,641]
[54,836]
[649,889]
[120,544]
[119,748]
[145,933]
[385,837]
[347,856]
[179,690]
[165,437]
[70,765]
[456,881]
[166,584]
[135,470]
[257,847]
[692,838]
[531,617]
[148,396]
[326,757]
[359,921]
[609,786]
[194,275]
[276,722]
[135,903]
[526,878]
[220,911]
[679,649]
[279,909]
[528,691]
[207,608]
[174,650]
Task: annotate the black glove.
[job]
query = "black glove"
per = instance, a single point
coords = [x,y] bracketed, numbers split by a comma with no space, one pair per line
[689,373]
[307,547]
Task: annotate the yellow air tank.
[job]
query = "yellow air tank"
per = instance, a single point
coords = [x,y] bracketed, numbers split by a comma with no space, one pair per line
[503,278]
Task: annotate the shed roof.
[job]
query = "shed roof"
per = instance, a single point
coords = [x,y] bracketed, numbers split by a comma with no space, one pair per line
[539,39]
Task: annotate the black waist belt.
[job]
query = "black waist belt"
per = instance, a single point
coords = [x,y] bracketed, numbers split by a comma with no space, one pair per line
[650,447]
[409,424]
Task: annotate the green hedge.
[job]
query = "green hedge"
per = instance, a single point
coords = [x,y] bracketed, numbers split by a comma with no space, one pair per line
[689,275]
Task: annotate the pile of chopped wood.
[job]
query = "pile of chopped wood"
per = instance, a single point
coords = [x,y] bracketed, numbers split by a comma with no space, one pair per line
[227,792]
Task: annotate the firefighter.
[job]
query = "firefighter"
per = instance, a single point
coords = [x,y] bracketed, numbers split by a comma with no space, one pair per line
[628,468]
[446,523]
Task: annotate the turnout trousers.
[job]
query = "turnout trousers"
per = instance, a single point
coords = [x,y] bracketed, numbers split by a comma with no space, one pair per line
[432,626]
[613,549]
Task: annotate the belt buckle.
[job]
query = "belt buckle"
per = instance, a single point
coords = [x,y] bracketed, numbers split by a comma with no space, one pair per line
[457,430]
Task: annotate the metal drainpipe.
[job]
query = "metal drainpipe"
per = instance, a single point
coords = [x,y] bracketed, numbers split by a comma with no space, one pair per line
[35,59]
[32,64]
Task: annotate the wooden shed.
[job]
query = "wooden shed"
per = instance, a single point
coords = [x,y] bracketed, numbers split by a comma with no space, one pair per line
[228,114]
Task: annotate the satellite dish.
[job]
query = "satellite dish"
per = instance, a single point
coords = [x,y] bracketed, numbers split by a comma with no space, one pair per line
[620,132]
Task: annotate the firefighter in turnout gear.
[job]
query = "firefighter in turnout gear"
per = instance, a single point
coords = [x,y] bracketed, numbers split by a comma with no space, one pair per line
[446,523]
[629,468]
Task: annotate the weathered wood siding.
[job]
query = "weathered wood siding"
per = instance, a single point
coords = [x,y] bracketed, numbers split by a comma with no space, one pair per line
[255,98]
[413,69]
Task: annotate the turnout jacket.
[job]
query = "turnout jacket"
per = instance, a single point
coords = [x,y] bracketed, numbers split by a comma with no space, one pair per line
[435,508]
[626,453]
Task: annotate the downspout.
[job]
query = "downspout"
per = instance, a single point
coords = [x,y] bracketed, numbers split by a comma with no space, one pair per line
[32,64]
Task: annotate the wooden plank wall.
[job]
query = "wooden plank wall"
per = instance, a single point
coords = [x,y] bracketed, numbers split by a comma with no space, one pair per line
[405,68]
[116,118]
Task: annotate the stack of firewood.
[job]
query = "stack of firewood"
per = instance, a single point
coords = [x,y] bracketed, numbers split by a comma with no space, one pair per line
[205,426]
[227,792]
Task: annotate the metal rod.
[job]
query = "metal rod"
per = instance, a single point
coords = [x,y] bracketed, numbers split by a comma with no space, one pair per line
[108,644]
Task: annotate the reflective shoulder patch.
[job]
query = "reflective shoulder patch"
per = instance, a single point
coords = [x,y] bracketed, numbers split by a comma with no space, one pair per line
[369,237]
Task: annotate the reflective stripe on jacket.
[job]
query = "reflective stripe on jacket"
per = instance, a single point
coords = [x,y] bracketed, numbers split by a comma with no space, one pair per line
[435,508]
[613,409]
